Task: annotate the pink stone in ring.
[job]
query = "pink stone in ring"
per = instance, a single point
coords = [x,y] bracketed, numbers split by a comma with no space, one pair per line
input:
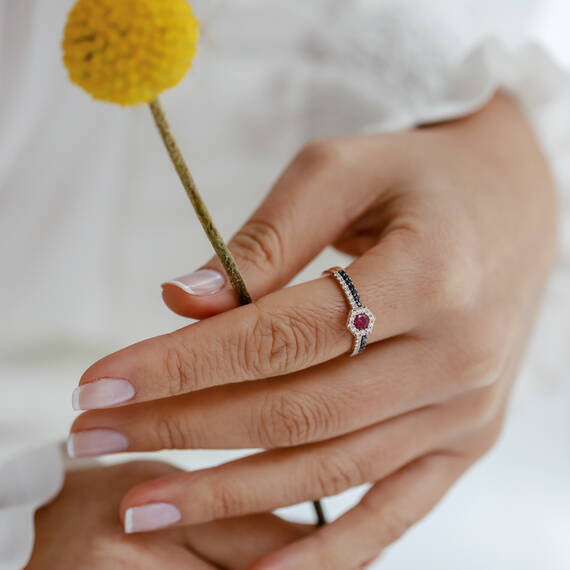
[361,321]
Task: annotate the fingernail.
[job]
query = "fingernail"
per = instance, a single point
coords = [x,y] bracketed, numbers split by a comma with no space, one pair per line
[201,282]
[96,442]
[102,394]
[151,517]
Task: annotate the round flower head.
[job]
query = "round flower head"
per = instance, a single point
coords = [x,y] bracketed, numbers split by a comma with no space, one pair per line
[129,51]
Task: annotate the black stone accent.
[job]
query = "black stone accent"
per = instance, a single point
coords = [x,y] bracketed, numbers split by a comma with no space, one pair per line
[351,287]
[362,344]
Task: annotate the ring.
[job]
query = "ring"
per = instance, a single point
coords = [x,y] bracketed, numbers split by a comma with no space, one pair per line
[360,319]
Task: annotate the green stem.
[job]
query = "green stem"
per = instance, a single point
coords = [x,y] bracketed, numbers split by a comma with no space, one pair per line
[221,249]
[212,232]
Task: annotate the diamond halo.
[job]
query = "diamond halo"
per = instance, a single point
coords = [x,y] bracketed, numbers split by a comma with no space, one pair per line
[360,320]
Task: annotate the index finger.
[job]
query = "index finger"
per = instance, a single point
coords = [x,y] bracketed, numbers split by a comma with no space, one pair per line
[285,331]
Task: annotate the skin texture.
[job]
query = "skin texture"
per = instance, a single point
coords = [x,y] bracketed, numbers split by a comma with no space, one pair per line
[81,530]
[452,229]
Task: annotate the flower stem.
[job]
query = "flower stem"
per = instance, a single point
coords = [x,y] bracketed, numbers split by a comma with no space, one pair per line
[212,232]
[221,249]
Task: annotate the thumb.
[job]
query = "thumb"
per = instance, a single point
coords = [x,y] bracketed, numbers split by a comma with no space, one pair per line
[310,205]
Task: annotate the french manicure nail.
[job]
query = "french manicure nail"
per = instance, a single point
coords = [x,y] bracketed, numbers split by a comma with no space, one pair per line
[151,517]
[102,394]
[201,282]
[96,442]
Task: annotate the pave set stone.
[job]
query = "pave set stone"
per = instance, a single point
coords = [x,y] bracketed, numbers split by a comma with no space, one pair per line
[360,320]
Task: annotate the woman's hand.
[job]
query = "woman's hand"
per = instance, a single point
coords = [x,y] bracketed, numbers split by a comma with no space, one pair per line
[452,228]
[80,529]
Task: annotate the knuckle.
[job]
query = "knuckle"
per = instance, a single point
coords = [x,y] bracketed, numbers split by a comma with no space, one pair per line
[492,433]
[447,275]
[170,434]
[285,422]
[477,359]
[177,361]
[226,501]
[289,419]
[259,243]
[318,155]
[444,284]
[277,343]
[394,524]
[483,439]
[484,408]
[214,495]
[333,472]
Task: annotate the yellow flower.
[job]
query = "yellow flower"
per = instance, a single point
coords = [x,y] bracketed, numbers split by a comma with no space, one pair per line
[129,51]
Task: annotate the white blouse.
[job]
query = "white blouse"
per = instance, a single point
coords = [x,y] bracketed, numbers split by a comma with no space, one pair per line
[92,218]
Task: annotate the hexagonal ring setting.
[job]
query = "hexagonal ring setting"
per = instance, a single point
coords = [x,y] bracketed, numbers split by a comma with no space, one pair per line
[360,321]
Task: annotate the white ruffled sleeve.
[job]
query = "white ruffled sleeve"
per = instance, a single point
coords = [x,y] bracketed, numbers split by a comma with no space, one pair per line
[27,482]
[423,61]
[415,61]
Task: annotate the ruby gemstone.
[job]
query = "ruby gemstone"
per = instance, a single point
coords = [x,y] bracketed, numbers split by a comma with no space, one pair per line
[361,321]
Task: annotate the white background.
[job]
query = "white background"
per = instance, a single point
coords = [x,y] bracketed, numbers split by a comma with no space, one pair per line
[92,220]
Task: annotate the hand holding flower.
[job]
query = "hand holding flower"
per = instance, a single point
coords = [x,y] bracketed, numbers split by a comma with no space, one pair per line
[452,228]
